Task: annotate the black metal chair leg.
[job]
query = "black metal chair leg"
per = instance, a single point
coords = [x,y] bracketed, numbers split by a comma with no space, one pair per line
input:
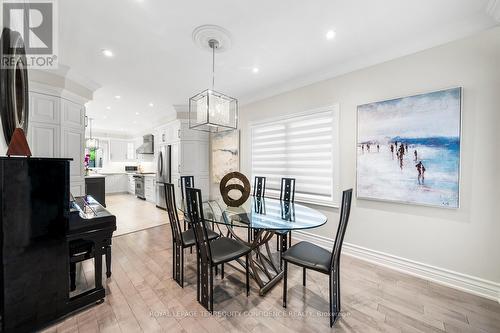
[304,276]
[191,250]
[284,283]
[211,290]
[216,270]
[198,272]
[182,267]
[174,247]
[330,285]
[289,239]
[247,275]
[222,271]
[108,261]
[72,275]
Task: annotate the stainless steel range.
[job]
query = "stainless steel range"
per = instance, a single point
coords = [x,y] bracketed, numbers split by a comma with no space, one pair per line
[139,187]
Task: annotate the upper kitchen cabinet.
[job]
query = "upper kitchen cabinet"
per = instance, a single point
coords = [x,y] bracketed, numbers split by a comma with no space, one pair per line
[121,150]
[189,134]
[73,114]
[44,108]
[57,128]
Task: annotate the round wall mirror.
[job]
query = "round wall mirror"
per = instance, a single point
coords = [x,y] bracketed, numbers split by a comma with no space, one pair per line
[14,106]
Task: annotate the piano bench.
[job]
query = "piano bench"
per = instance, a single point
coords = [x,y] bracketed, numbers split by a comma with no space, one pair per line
[80,250]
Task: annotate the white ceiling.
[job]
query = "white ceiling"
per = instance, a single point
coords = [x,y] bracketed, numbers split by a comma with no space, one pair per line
[156,60]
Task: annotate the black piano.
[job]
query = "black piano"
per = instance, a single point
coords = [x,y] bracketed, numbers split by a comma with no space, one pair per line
[39,224]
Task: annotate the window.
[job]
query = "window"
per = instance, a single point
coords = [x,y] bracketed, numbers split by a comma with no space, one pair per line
[304,147]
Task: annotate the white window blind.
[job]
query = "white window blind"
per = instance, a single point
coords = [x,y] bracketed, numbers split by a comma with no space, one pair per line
[303,147]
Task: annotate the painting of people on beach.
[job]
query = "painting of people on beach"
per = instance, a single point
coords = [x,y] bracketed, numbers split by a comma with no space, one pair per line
[408,149]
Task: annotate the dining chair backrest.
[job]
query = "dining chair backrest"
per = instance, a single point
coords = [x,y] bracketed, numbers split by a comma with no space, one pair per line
[287,189]
[345,211]
[186,181]
[172,212]
[195,212]
[259,187]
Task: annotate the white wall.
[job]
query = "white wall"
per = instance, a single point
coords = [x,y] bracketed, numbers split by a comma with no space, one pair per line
[464,240]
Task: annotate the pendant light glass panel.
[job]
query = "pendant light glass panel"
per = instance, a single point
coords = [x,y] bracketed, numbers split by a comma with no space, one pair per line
[212,111]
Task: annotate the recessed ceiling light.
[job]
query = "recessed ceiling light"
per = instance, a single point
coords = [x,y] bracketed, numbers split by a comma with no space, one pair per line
[330,34]
[137,113]
[255,70]
[118,97]
[108,53]
[105,117]
[108,107]
[151,104]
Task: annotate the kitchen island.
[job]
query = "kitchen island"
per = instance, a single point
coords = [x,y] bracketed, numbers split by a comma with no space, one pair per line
[95,185]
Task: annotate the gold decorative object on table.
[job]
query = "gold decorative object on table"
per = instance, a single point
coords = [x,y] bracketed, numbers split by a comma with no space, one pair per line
[225,188]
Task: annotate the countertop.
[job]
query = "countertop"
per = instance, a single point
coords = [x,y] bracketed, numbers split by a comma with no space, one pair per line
[95,176]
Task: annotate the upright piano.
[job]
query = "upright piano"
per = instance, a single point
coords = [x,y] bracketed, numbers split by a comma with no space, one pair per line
[38,223]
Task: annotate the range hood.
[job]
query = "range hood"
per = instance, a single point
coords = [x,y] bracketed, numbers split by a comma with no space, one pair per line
[147,146]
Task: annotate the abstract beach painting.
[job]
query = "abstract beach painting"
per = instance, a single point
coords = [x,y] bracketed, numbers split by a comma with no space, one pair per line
[225,154]
[408,149]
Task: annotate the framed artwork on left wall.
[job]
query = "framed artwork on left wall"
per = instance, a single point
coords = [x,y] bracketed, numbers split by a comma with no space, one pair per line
[408,149]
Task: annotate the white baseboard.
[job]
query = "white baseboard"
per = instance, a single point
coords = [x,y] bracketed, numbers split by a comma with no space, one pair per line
[466,283]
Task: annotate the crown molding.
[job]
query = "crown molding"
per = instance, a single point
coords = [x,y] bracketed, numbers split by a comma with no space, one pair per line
[493,9]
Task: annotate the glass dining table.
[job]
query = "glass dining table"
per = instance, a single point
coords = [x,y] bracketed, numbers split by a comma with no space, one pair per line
[255,223]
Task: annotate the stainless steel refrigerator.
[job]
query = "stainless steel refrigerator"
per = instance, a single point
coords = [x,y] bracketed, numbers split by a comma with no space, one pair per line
[163,174]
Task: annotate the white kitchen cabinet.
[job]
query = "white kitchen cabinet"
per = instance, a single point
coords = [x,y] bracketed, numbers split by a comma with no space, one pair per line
[72,147]
[116,183]
[57,130]
[189,134]
[117,151]
[121,151]
[77,188]
[73,114]
[44,139]
[189,157]
[150,188]
[175,162]
[44,109]
[131,184]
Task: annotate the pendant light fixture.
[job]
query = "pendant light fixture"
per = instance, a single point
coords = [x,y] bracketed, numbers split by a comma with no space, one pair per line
[91,143]
[212,111]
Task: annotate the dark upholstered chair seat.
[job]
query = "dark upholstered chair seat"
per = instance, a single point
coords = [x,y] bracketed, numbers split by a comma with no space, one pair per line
[189,240]
[226,249]
[310,256]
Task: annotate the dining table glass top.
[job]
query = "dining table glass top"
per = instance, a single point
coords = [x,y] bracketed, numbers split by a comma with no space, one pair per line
[262,213]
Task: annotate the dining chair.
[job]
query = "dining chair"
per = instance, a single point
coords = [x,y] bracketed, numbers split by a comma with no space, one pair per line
[287,194]
[180,239]
[259,187]
[211,253]
[311,256]
[186,181]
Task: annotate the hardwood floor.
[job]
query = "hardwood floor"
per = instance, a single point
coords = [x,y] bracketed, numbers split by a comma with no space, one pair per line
[141,295]
[133,214]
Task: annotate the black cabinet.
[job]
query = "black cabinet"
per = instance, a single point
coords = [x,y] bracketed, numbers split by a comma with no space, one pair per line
[96,187]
